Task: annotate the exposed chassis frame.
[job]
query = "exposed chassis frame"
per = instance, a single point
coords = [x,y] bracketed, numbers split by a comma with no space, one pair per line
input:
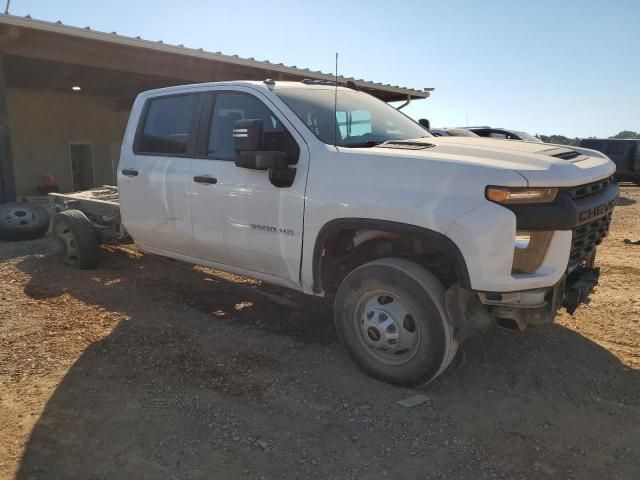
[101,206]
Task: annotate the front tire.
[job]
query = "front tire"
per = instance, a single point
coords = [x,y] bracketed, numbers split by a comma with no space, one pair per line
[78,244]
[391,318]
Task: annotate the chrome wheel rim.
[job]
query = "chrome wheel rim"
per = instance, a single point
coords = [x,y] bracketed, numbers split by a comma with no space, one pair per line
[68,245]
[19,217]
[387,328]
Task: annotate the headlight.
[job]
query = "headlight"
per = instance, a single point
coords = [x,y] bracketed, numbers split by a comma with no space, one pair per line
[529,250]
[520,195]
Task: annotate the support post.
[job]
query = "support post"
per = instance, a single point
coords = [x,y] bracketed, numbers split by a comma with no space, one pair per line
[7,178]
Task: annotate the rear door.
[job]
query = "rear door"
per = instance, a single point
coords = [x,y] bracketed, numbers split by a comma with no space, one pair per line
[239,217]
[154,175]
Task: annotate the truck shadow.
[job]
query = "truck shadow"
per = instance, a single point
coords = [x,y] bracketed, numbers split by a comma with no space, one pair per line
[159,282]
[13,249]
[624,201]
[199,356]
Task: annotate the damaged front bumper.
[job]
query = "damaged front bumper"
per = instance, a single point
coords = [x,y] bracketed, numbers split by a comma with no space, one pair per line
[584,213]
[578,285]
[541,306]
[472,312]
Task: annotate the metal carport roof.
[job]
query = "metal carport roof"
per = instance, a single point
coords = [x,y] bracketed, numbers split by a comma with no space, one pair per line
[253,69]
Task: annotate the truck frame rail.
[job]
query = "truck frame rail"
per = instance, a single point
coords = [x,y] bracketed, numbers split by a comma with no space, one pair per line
[101,205]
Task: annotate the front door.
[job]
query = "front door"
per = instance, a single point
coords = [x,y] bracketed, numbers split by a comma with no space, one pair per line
[242,219]
[153,177]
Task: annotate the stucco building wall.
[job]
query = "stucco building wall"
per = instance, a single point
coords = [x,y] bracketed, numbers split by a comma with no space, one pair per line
[44,124]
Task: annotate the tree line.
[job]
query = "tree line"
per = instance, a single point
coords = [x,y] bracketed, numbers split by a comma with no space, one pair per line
[561,139]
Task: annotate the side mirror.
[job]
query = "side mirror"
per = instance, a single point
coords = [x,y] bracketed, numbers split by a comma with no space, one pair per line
[257,160]
[247,135]
[425,123]
[248,140]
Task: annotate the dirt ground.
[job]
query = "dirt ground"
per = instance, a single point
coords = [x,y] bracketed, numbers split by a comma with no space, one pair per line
[145,369]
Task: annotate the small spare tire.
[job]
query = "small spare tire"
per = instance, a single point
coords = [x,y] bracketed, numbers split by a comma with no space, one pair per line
[22,221]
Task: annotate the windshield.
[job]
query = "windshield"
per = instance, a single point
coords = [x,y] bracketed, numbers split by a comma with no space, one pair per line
[527,137]
[359,120]
[459,132]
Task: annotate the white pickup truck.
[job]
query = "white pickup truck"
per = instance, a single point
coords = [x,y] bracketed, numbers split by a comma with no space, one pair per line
[423,240]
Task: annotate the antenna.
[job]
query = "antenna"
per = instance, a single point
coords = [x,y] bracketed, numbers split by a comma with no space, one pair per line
[6,8]
[335,108]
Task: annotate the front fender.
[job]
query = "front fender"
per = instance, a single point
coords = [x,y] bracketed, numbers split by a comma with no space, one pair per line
[486,237]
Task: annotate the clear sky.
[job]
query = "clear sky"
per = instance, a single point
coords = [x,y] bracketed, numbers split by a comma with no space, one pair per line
[552,67]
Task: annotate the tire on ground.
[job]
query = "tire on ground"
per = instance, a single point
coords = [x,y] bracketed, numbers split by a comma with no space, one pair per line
[423,295]
[22,221]
[79,247]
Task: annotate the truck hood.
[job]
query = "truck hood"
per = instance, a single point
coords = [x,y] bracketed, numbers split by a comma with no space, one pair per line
[541,164]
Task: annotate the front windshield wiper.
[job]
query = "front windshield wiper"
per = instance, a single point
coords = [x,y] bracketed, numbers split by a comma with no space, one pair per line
[367,144]
[374,143]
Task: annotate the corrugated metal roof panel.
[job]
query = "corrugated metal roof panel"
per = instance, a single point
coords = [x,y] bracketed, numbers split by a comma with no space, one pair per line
[137,42]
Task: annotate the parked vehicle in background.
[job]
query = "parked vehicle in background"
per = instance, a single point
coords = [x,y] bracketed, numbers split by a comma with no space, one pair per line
[452,132]
[504,134]
[422,241]
[625,153]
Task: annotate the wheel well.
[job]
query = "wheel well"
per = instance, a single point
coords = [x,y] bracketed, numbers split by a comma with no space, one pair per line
[346,244]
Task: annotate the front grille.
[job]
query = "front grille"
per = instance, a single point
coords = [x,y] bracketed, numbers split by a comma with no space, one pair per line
[586,237]
[582,191]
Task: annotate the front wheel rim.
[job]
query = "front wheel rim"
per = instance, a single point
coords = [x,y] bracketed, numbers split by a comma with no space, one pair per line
[68,244]
[386,327]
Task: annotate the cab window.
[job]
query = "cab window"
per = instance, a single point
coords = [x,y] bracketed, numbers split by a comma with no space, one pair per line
[229,107]
[169,125]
